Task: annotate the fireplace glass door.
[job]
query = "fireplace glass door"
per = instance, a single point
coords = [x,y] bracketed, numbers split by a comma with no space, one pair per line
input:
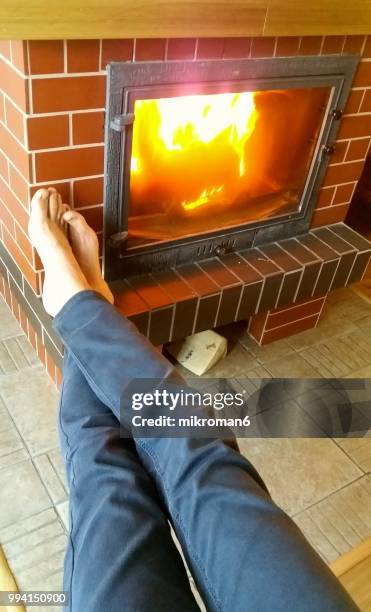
[209,157]
[203,162]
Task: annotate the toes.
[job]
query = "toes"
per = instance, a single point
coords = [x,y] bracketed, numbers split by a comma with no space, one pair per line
[54,206]
[75,219]
[63,222]
[39,204]
[64,208]
[53,210]
[60,210]
[80,231]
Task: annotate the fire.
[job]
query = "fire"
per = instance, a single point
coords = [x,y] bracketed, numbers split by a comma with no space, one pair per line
[206,196]
[173,136]
[204,162]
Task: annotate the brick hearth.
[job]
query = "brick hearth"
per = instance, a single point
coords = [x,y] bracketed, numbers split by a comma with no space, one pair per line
[280,287]
[52,98]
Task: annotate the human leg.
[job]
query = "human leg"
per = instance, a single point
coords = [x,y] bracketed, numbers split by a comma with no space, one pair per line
[242,549]
[120,553]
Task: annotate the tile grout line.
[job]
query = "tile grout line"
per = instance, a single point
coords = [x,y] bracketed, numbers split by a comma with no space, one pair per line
[10,454]
[19,555]
[315,526]
[331,541]
[45,453]
[350,457]
[22,520]
[17,429]
[345,519]
[341,488]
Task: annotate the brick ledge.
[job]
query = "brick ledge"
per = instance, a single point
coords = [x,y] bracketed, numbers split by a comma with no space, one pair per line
[175,303]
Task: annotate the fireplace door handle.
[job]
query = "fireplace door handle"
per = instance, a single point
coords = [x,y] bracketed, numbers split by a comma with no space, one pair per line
[116,240]
[120,122]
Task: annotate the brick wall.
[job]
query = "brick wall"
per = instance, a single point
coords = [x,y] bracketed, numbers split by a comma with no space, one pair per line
[52,96]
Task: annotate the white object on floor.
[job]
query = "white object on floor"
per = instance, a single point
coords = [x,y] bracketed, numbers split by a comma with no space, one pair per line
[200,352]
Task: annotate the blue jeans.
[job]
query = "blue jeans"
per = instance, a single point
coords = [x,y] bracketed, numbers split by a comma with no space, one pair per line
[243,551]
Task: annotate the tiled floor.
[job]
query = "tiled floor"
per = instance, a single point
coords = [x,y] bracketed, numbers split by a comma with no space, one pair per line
[324,484]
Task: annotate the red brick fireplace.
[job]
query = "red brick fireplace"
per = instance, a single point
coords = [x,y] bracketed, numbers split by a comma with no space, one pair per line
[52,101]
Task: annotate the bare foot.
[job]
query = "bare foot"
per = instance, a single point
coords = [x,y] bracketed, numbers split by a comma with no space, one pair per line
[85,247]
[48,234]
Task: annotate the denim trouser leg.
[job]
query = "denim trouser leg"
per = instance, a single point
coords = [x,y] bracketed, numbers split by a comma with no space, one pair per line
[244,552]
[121,555]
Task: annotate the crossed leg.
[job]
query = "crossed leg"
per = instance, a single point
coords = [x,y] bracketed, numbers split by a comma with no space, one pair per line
[243,551]
[120,555]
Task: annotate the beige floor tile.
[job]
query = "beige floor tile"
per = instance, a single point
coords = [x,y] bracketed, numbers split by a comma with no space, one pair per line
[55,457]
[5,420]
[359,450]
[324,331]
[340,522]
[269,352]
[293,366]
[339,356]
[31,399]
[325,517]
[10,441]
[341,295]
[62,510]
[27,525]
[13,458]
[52,482]
[28,350]
[35,577]
[323,364]
[31,556]
[18,547]
[8,324]
[316,537]
[237,363]
[299,472]
[346,305]
[259,371]
[244,338]
[16,352]
[355,502]
[7,363]
[22,493]
[54,582]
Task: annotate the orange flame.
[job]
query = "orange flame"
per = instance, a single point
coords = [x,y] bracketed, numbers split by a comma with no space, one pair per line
[178,128]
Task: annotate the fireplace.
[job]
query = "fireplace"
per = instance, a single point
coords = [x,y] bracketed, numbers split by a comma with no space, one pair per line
[205,158]
[53,95]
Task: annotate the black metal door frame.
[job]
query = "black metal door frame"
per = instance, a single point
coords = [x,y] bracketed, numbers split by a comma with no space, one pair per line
[130,81]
